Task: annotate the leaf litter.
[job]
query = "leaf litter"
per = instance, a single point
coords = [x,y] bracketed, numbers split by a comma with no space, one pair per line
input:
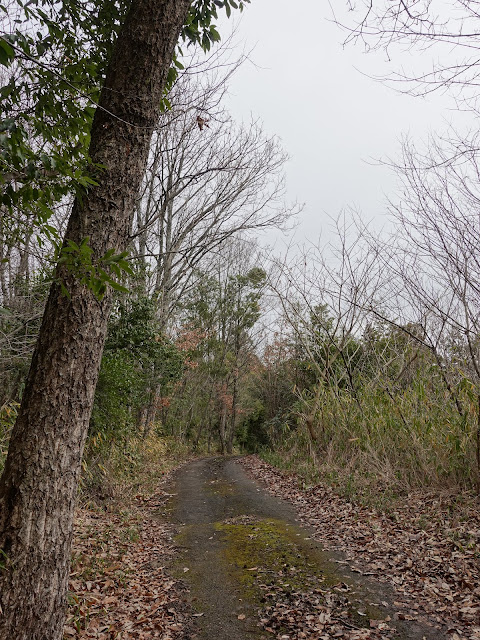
[299,600]
[426,548]
[119,586]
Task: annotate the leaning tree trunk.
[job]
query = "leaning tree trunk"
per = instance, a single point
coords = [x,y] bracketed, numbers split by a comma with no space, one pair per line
[39,483]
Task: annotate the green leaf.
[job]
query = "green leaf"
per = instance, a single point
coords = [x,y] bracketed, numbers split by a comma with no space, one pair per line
[215,36]
[72,246]
[165,105]
[108,255]
[118,287]
[6,53]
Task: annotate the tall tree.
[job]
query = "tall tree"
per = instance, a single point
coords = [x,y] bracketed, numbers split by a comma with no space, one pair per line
[203,186]
[39,483]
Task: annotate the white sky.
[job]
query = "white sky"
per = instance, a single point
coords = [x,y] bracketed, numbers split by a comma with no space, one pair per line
[332,120]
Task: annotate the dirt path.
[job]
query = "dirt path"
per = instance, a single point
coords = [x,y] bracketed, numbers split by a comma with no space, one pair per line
[254,573]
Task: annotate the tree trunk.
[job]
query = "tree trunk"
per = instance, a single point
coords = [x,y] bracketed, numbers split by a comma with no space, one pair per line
[221,430]
[39,484]
[151,409]
[210,434]
[233,417]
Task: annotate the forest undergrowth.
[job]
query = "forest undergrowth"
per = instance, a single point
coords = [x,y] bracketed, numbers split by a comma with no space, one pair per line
[379,468]
[119,587]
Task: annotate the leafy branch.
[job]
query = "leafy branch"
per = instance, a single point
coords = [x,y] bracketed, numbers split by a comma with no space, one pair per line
[97,276]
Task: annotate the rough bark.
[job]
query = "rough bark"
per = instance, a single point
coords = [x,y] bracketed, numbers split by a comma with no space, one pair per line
[39,483]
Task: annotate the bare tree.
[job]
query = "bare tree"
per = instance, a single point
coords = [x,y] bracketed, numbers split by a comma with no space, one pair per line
[438,260]
[208,179]
[446,33]
[325,294]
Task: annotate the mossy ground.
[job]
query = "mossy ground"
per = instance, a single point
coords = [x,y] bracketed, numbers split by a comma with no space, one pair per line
[221,488]
[266,549]
[271,559]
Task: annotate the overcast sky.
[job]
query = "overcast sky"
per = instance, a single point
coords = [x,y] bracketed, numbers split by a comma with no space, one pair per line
[332,120]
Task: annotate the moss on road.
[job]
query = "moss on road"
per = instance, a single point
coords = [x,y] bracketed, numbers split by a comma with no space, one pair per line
[253,572]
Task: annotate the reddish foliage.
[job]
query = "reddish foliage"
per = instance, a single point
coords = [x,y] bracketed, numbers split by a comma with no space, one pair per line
[189,338]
